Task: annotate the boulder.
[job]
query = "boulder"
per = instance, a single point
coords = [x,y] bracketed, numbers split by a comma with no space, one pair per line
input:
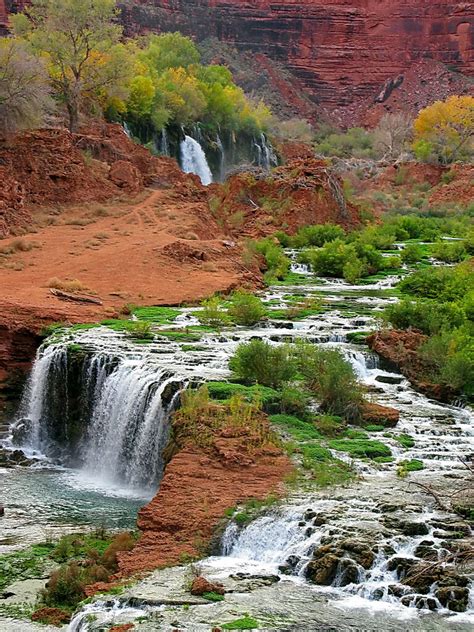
[201,585]
[380,415]
[126,176]
[454,598]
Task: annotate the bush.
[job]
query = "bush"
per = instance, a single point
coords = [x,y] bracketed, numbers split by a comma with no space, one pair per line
[65,587]
[277,262]
[294,401]
[449,251]
[246,309]
[298,429]
[213,313]
[140,329]
[317,235]
[442,284]
[330,425]
[268,397]
[427,316]
[259,362]
[332,379]
[412,253]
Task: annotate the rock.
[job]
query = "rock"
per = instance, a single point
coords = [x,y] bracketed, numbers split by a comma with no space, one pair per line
[407,527]
[319,520]
[426,551]
[401,565]
[454,598]
[341,558]
[309,515]
[389,379]
[201,585]
[323,571]
[419,601]
[126,176]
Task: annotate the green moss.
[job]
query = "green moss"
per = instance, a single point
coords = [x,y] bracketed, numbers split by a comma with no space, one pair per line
[158,315]
[405,440]
[245,623]
[374,428]
[178,335]
[213,596]
[361,448]
[312,453]
[299,430]
[405,467]
[268,397]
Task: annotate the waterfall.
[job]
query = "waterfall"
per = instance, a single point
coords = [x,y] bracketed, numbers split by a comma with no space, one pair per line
[126,129]
[129,428]
[193,160]
[164,143]
[266,156]
[220,147]
[122,427]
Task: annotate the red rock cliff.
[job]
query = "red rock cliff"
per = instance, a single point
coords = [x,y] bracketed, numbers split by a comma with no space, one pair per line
[340,49]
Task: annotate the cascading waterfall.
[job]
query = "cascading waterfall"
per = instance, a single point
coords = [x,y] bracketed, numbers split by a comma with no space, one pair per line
[266,157]
[193,160]
[164,143]
[129,429]
[221,149]
[122,428]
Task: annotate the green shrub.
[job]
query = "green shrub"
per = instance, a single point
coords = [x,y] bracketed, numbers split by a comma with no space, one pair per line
[332,379]
[277,263]
[259,362]
[330,425]
[442,284]
[246,309]
[312,453]
[139,329]
[213,313]
[412,253]
[317,235]
[427,316]
[65,587]
[294,401]
[449,251]
[354,270]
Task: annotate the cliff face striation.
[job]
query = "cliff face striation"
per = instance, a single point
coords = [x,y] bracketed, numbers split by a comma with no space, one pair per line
[342,50]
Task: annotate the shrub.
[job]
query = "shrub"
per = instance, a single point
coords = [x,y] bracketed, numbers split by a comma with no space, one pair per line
[330,425]
[449,251]
[294,401]
[213,313]
[268,397]
[317,235]
[332,379]
[259,362]
[427,316]
[246,309]
[65,586]
[354,270]
[442,284]
[277,262]
[412,253]
[72,285]
[139,329]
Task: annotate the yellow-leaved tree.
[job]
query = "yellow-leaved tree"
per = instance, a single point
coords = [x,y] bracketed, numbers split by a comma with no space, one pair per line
[445,129]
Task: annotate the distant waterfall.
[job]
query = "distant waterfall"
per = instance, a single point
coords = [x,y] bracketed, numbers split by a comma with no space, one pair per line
[106,414]
[266,156]
[221,149]
[193,160]
[164,143]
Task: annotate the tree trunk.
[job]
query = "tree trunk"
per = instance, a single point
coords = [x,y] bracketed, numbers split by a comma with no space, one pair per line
[73,114]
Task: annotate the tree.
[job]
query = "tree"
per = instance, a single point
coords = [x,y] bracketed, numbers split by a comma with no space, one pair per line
[80,41]
[24,91]
[447,126]
[392,134]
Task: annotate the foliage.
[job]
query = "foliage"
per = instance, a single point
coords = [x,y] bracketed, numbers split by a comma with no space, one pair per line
[392,135]
[258,362]
[276,261]
[294,401]
[447,128]
[316,235]
[405,467]
[442,284]
[24,91]
[267,397]
[80,41]
[412,253]
[139,329]
[429,317]
[213,313]
[331,378]
[356,142]
[246,308]
[298,429]
[449,251]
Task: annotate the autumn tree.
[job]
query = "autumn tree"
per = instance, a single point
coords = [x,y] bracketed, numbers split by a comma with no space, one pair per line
[392,135]
[24,90]
[80,41]
[446,129]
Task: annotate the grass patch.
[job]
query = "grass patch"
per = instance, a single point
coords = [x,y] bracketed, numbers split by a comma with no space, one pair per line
[157,315]
[299,430]
[223,391]
[245,623]
[405,467]
[405,440]
[361,448]
[213,596]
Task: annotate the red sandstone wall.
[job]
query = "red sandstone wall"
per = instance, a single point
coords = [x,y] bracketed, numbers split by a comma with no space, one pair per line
[341,49]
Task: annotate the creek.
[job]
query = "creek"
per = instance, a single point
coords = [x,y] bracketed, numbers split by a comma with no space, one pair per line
[95,417]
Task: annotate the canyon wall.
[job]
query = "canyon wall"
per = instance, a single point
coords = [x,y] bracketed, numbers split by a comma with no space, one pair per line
[340,49]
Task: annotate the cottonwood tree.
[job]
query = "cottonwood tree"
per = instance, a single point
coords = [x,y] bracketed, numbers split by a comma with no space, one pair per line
[24,90]
[446,129]
[80,41]
[392,135]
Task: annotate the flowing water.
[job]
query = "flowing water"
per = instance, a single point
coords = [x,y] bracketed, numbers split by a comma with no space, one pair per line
[193,160]
[127,392]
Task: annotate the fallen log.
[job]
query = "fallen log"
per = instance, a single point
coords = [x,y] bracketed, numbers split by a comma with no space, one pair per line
[77,298]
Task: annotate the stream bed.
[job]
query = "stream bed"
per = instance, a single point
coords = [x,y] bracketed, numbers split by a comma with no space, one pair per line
[128,391]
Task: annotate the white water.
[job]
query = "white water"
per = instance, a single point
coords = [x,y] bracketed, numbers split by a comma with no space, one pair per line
[193,160]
